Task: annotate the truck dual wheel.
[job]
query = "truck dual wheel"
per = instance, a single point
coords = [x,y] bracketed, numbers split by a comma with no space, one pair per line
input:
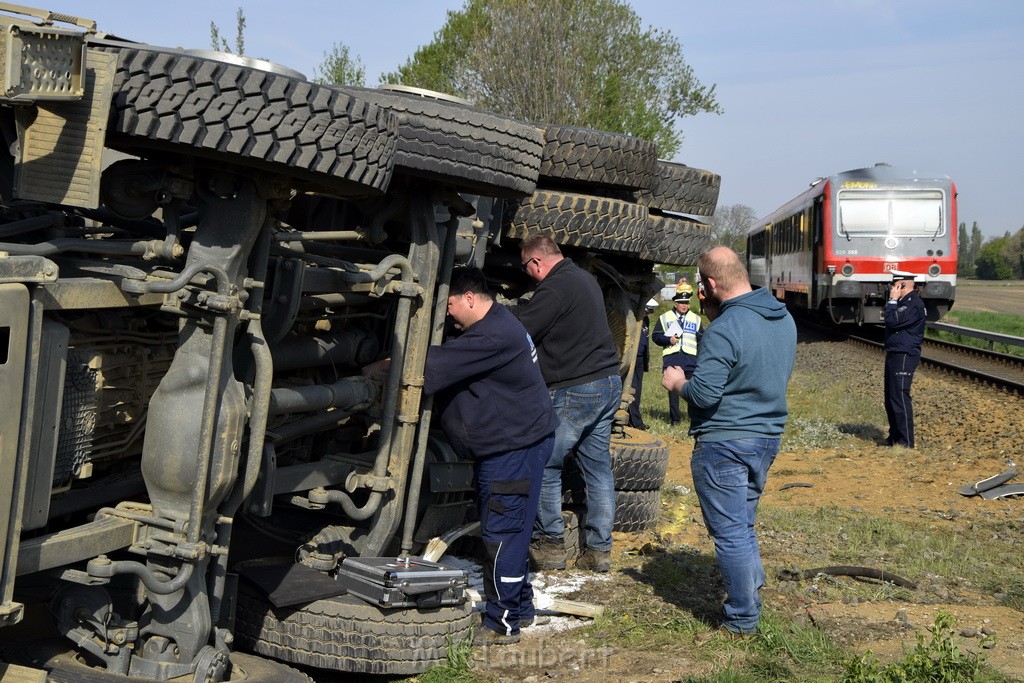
[594,157]
[675,240]
[682,189]
[579,220]
[477,150]
[173,102]
[348,634]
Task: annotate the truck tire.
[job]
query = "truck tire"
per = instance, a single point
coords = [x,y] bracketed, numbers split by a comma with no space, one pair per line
[577,220]
[675,240]
[477,150]
[622,322]
[681,189]
[639,462]
[348,634]
[173,102]
[636,510]
[637,465]
[571,535]
[63,665]
[594,157]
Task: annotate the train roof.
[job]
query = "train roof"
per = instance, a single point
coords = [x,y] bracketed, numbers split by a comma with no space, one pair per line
[878,172]
[886,172]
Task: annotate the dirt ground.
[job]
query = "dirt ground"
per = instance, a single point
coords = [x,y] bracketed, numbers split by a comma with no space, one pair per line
[897,486]
[966,433]
[991,296]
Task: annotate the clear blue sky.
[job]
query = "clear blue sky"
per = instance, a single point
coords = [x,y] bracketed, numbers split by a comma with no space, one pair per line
[809,87]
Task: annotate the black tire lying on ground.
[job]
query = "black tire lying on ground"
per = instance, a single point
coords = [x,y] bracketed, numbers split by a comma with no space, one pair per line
[639,462]
[579,220]
[348,634]
[477,150]
[675,240]
[681,189]
[171,101]
[636,510]
[571,536]
[595,157]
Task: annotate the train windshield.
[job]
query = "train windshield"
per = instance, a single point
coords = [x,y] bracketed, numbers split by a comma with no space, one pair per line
[915,213]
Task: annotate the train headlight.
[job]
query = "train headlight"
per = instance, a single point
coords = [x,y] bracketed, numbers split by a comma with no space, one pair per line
[847,269]
[934,270]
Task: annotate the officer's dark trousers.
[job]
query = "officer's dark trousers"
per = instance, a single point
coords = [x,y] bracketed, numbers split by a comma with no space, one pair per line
[688,363]
[899,373]
[508,490]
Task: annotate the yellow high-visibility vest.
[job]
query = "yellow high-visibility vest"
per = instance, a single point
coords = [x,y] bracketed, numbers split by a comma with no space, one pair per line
[690,324]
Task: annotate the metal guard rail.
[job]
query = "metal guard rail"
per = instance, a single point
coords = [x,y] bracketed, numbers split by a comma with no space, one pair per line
[990,337]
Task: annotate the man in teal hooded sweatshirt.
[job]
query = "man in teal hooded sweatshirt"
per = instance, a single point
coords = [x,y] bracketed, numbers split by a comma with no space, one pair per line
[737,406]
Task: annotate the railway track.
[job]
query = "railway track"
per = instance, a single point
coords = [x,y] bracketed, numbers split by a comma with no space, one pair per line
[988,367]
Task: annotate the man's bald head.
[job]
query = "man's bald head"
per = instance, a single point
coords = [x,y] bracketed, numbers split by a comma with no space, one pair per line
[724,268]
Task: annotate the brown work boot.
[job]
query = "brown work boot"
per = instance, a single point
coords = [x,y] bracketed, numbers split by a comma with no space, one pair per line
[537,620]
[595,560]
[547,552]
[485,637]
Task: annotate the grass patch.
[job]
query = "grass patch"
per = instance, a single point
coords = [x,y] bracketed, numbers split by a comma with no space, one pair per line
[920,552]
[820,408]
[1001,323]
[457,670]
[785,651]
[806,433]
[938,659]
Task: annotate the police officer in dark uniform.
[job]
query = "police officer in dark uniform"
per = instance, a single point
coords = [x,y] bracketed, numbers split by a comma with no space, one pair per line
[905,319]
[679,331]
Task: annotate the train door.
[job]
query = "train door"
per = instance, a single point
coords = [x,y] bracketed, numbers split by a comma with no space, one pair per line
[817,251]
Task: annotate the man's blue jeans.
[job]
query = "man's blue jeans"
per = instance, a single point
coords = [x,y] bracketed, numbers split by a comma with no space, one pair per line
[729,477]
[586,412]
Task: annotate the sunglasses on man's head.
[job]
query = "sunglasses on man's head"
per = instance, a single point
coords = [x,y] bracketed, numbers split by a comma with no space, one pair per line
[527,262]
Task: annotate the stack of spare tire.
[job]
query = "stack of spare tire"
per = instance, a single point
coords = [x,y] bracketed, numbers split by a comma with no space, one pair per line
[639,463]
[610,192]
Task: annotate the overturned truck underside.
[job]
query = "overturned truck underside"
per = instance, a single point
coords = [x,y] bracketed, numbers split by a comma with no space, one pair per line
[198,254]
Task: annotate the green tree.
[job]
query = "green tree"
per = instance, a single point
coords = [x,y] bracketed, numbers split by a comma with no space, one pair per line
[340,68]
[730,223]
[964,263]
[572,62]
[1015,254]
[218,42]
[993,262]
[976,241]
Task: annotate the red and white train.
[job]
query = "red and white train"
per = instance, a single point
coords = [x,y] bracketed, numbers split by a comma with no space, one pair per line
[832,248]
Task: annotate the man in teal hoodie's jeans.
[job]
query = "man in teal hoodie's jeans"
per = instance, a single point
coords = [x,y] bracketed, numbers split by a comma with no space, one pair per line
[737,407]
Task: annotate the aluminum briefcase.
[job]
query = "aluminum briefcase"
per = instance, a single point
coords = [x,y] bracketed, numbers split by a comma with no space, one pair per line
[403,582]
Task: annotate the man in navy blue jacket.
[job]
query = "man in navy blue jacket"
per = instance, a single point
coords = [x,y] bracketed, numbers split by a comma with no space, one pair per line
[905,320]
[495,409]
